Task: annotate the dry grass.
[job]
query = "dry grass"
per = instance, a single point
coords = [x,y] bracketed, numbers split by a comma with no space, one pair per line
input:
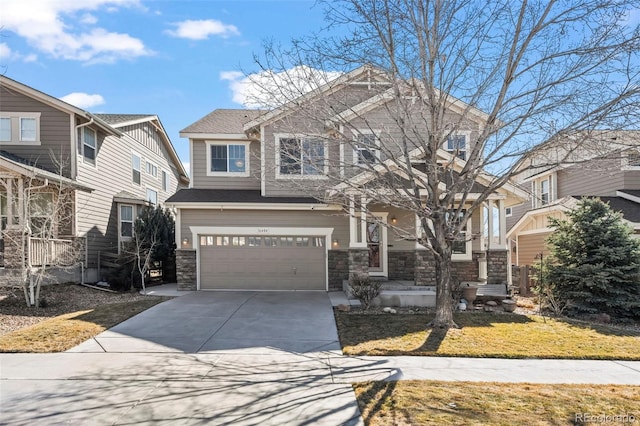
[73,314]
[485,335]
[471,403]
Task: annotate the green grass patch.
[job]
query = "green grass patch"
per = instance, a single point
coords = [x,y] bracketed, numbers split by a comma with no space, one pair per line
[66,331]
[484,335]
[415,402]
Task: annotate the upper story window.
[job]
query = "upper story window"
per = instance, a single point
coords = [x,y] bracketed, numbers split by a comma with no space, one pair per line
[301,157]
[152,196]
[152,169]
[543,191]
[228,159]
[20,128]
[633,159]
[367,150]
[165,180]
[457,145]
[89,144]
[545,194]
[508,211]
[5,129]
[135,168]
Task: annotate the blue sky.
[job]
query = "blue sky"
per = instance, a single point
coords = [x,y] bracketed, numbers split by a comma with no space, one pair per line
[177,59]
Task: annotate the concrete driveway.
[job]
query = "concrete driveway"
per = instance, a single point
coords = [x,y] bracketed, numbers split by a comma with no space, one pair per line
[206,322]
[217,358]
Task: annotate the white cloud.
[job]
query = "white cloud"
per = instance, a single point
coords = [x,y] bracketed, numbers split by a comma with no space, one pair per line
[202,29]
[50,27]
[6,54]
[269,89]
[187,166]
[83,100]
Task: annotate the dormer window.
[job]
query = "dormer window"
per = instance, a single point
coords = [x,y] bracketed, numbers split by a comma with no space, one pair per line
[228,159]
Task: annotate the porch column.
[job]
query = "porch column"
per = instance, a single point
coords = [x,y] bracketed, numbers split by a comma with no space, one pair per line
[21,202]
[10,213]
[490,225]
[363,221]
[358,252]
[502,238]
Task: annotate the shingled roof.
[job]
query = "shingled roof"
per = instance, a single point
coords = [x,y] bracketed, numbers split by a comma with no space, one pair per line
[121,118]
[226,121]
[194,195]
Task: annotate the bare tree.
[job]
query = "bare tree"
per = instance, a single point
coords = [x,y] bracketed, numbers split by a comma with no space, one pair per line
[509,74]
[45,207]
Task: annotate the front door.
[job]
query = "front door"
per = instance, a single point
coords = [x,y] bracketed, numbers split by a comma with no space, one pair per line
[377,245]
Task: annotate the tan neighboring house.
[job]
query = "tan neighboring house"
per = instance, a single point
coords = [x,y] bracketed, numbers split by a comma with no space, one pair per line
[253,218]
[605,165]
[103,166]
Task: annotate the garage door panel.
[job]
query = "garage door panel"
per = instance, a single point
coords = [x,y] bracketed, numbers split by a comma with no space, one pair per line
[263,267]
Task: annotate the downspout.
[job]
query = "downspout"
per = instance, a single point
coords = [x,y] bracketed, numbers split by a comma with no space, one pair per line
[75,218]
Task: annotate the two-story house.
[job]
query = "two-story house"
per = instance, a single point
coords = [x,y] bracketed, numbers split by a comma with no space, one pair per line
[82,175]
[603,164]
[259,213]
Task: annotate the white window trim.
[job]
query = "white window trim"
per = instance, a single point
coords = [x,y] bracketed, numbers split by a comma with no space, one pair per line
[165,181]
[148,162]
[625,160]
[133,219]
[247,156]
[356,149]
[132,169]
[84,159]
[279,175]
[16,134]
[508,211]
[146,193]
[467,142]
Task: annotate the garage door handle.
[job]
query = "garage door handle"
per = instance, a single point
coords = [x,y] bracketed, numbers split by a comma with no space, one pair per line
[295,270]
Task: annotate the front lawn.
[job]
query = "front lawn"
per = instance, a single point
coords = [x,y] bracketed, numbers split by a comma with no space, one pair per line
[415,402]
[493,335]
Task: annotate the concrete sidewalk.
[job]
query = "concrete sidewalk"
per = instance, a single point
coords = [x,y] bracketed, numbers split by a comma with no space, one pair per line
[236,387]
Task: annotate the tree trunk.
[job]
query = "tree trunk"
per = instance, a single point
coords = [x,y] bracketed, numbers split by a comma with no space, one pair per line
[444,302]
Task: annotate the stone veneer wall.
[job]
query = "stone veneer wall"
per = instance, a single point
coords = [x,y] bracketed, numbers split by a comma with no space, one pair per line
[497,267]
[13,254]
[186,269]
[402,265]
[338,268]
[425,269]
[358,261]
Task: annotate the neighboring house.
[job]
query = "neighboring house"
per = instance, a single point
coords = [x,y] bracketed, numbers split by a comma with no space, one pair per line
[602,164]
[87,173]
[253,218]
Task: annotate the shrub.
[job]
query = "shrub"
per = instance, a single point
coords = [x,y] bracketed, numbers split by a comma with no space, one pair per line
[364,289]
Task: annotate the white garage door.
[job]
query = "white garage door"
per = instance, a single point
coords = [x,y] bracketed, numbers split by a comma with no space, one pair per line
[262,262]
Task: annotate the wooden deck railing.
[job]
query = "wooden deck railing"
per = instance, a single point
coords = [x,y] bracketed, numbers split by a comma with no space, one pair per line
[52,252]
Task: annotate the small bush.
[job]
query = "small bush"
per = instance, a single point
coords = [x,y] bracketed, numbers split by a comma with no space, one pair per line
[364,289]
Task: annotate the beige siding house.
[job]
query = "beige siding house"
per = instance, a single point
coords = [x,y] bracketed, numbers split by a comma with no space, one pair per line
[88,172]
[606,165]
[257,214]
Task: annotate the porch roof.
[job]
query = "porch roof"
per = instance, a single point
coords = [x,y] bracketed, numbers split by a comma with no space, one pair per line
[194,195]
[25,167]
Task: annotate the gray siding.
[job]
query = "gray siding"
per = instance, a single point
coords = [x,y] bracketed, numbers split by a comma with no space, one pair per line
[97,213]
[631,179]
[602,177]
[277,218]
[55,132]
[200,167]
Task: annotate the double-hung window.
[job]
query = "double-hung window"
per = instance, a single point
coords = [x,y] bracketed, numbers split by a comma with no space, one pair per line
[5,129]
[135,168]
[301,157]
[545,195]
[152,196]
[457,145]
[89,144]
[20,128]
[228,159]
[126,221]
[367,150]
[165,180]
[152,169]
